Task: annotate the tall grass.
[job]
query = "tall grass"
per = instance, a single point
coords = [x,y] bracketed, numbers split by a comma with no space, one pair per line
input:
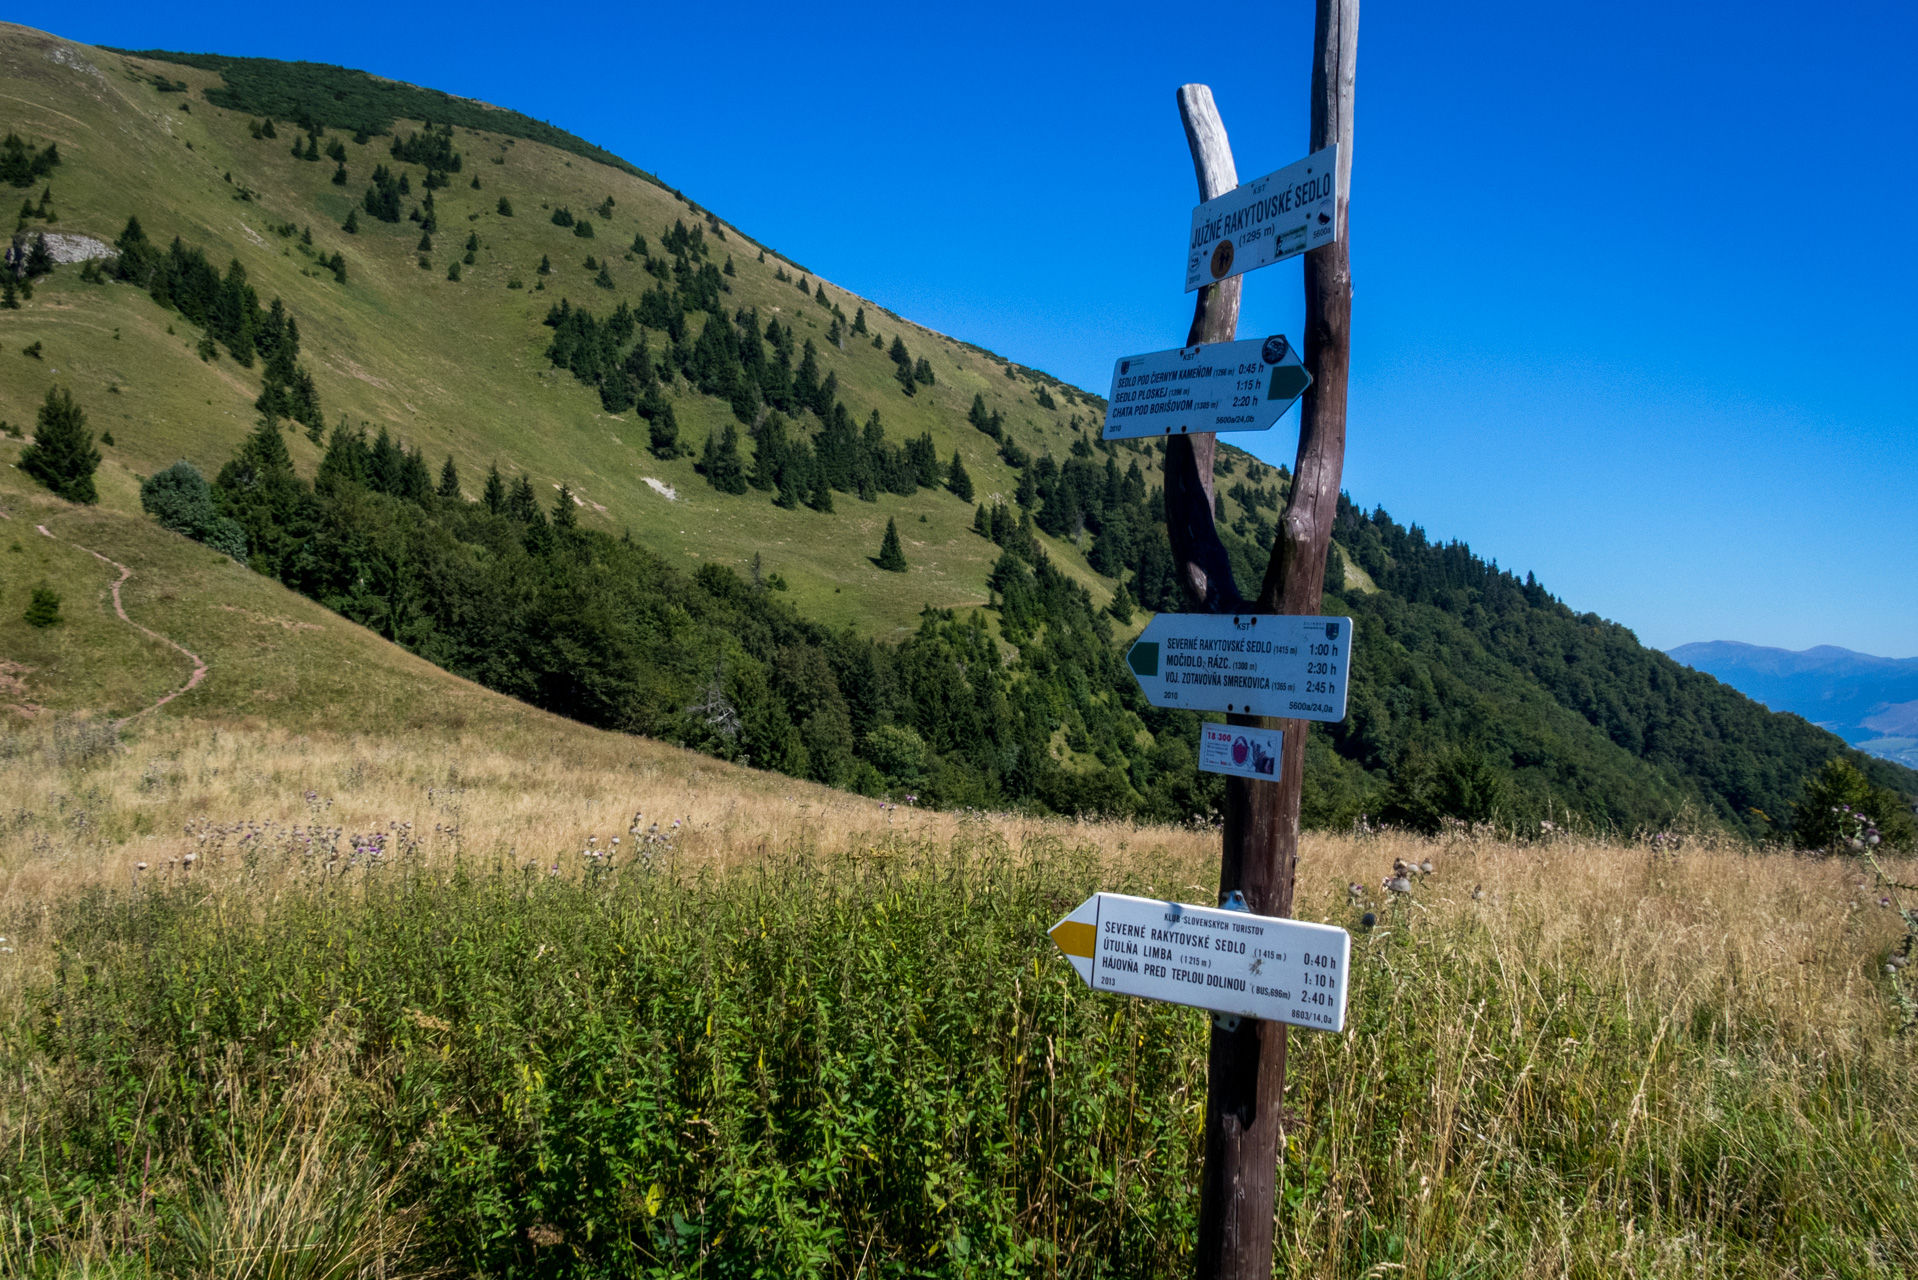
[849,1049]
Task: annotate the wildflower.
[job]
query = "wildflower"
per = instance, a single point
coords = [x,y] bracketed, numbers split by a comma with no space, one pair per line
[139,866]
[1425,867]
[1355,891]
[1398,884]
[189,859]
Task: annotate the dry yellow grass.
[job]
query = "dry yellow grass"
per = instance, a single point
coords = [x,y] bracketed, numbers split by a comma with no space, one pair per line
[1565,1056]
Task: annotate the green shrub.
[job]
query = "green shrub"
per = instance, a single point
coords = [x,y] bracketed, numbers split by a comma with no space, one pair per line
[181,500]
[44,609]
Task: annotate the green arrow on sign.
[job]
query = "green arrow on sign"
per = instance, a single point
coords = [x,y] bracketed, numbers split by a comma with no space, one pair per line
[1143,658]
[1289,382]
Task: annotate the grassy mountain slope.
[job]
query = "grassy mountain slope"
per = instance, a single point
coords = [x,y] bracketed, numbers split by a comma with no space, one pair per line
[458,368]
[1476,695]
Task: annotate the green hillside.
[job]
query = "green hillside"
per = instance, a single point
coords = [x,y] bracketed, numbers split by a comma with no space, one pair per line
[701,447]
[459,368]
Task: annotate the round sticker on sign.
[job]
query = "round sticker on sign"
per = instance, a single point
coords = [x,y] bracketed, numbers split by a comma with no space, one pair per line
[1222,260]
[1274,349]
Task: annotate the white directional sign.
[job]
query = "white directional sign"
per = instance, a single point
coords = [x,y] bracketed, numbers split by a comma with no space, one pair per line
[1240,752]
[1230,962]
[1256,664]
[1218,386]
[1255,225]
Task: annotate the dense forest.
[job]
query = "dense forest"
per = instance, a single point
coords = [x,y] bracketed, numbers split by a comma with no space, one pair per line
[518,596]
[1476,695]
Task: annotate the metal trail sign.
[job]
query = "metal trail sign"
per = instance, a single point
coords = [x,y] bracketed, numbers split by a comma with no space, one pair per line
[1256,664]
[1264,221]
[1230,962]
[1217,386]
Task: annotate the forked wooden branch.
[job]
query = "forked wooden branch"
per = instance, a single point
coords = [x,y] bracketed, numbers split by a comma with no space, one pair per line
[1204,567]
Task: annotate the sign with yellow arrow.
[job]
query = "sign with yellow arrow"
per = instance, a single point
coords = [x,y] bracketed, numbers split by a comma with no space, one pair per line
[1229,961]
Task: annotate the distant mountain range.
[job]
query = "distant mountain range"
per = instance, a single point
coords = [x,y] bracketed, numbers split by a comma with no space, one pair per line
[1870,702]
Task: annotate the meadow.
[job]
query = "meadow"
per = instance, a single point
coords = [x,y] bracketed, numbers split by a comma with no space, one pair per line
[394,1002]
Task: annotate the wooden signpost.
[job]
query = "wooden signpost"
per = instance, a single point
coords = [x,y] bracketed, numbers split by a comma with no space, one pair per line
[1245,1120]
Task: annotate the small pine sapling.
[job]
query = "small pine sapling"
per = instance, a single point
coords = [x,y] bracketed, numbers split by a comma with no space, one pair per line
[44,609]
[505,207]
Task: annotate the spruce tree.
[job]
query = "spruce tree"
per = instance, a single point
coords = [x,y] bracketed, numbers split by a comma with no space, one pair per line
[523,504]
[505,207]
[891,556]
[426,242]
[62,456]
[662,428]
[957,480]
[449,479]
[563,516]
[859,321]
[721,463]
[352,224]
[545,265]
[494,495]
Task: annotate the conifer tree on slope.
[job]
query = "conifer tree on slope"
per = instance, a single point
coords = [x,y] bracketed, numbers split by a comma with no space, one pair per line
[449,479]
[891,556]
[957,480]
[62,456]
[494,495]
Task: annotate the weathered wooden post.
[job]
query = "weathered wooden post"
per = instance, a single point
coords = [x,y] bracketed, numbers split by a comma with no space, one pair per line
[1245,1121]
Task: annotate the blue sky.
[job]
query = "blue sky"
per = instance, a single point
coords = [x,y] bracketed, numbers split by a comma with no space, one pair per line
[1637,299]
